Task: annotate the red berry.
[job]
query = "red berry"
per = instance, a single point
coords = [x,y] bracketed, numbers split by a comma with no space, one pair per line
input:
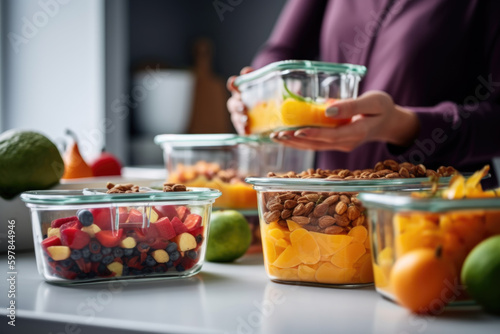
[52,241]
[58,222]
[192,221]
[164,228]
[109,238]
[74,238]
[102,217]
[168,211]
[179,226]
[183,212]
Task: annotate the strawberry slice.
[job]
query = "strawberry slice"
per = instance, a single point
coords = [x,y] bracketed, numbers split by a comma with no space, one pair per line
[109,238]
[166,211]
[182,212]
[158,243]
[122,214]
[178,226]
[71,224]
[102,217]
[74,238]
[58,222]
[135,263]
[135,216]
[84,266]
[198,232]
[52,241]
[192,221]
[164,228]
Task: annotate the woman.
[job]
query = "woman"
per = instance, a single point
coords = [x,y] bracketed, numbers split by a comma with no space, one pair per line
[432,91]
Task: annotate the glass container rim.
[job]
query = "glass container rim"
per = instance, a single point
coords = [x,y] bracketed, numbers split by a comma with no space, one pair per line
[307,65]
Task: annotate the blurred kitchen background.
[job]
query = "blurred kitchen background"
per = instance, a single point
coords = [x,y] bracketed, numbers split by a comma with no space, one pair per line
[119,72]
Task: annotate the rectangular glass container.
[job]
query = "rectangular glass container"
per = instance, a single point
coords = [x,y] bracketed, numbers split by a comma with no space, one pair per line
[295,93]
[400,223]
[314,231]
[91,236]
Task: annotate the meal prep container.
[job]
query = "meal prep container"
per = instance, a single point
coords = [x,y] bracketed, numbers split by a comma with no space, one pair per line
[400,223]
[295,93]
[222,161]
[91,236]
[314,231]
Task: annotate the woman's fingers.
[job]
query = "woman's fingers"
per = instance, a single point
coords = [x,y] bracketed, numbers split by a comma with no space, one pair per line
[246,69]
[370,103]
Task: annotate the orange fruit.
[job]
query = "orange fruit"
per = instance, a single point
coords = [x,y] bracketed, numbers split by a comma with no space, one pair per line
[423,281]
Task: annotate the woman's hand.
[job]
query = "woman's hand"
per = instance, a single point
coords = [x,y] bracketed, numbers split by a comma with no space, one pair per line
[235,105]
[375,117]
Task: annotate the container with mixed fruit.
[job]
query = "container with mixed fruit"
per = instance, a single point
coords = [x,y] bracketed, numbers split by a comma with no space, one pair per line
[125,232]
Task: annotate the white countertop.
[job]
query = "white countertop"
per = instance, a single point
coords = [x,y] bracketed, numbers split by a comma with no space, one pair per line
[223,298]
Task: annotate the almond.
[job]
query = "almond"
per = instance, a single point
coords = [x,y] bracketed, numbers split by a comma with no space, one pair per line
[301,220]
[326,221]
[290,204]
[353,212]
[340,208]
[341,220]
[334,230]
[320,210]
[272,216]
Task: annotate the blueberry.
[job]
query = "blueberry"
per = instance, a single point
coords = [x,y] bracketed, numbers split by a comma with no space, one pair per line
[66,263]
[136,252]
[91,274]
[150,261]
[96,257]
[169,264]
[128,251]
[76,254]
[75,269]
[175,256]
[85,217]
[160,269]
[147,270]
[108,259]
[136,272]
[85,253]
[199,239]
[106,250]
[179,267]
[172,247]
[81,276]
[143,247]
[94,246]
[118,252]
[192,254]
[102,269]
[49,259]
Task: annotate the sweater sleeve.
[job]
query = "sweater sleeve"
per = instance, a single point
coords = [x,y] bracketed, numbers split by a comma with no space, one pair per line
[465,133]
[296,34]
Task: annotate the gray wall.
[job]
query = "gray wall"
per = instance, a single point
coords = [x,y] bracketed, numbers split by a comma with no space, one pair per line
[164,31]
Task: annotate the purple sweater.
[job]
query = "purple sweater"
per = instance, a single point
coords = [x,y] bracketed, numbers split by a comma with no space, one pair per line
[439,58]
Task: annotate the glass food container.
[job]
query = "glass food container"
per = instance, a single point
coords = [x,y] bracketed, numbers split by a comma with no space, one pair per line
[314,231]
[295,93]
[222,161]
[401,223]
[91,236]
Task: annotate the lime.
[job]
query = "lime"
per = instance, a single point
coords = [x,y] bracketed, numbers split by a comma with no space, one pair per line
[481,271]
[28,161]
[229,236]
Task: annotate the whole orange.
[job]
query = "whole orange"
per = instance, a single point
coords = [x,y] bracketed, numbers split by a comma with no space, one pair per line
[423,281]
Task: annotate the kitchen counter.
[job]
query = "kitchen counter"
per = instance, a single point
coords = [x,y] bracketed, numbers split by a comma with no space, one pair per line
[223,298]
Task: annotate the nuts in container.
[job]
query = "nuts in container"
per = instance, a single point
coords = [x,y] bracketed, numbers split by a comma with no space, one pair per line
[313,225]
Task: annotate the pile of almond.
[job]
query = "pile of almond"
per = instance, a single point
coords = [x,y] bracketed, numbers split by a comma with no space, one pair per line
[326,212]
[334,212]
[388,169]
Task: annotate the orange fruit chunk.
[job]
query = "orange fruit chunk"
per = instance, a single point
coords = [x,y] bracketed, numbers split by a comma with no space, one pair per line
[329,273]
[269,250]
[305,246]
[359,233]
[347,256]
[296,113]
[288,258]
[292,226]
[331,243]
[306,273]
